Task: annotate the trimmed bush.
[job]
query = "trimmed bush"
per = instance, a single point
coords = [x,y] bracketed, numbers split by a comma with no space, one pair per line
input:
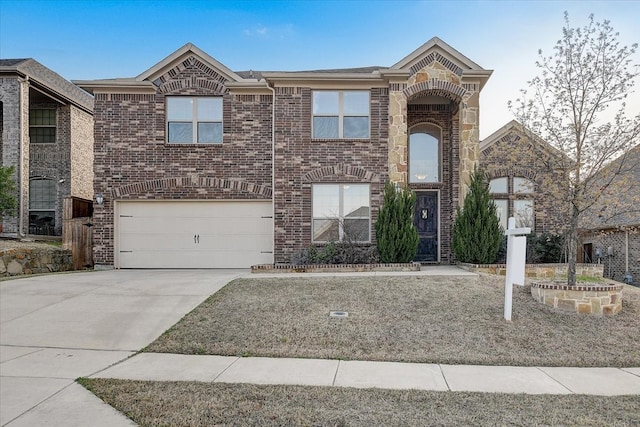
[396,234]
[477,235]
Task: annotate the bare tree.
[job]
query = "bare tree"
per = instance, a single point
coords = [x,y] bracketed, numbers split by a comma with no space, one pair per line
[577,105]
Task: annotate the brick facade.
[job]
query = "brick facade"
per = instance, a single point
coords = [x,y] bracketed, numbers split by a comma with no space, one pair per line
[27,85]
[276,158]
[615,262]
[133,160]
[510,153]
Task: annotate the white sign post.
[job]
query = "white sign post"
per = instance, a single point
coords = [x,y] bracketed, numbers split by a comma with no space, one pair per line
[516,260]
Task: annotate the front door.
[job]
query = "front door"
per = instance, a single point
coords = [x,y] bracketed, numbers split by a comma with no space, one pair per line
[425,218]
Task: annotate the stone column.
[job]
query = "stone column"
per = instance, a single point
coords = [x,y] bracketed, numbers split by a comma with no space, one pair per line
[398,137]
[469,140]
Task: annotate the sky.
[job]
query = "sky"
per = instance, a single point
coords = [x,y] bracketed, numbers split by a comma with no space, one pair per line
[86,40]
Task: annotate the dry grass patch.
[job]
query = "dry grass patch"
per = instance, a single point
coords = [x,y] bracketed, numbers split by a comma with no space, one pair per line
[408,318]
[207,404]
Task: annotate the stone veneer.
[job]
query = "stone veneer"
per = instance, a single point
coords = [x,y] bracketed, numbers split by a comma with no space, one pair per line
[539,271]
[587,299]
[19,261]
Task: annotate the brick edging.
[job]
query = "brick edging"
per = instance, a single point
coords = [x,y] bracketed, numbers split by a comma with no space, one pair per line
[564,287]
[334,268]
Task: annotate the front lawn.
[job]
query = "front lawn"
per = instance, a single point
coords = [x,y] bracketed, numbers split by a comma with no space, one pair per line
[403,318]
[206,404]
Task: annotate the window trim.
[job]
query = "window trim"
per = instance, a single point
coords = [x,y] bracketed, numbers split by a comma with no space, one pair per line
[341,116]
[340,218]
[194,120]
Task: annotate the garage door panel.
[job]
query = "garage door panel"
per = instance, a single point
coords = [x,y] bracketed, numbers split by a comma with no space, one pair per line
[177,234]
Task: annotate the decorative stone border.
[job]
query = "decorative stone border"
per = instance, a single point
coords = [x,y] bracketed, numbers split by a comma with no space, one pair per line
[20,261]
[539,271]
[590,299]
[333,268]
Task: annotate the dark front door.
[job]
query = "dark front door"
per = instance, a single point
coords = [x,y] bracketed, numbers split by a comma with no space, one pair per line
[425,217]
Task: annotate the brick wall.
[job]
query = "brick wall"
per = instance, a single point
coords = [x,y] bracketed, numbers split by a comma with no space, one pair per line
[133,160]
[14,95]
[514,155]
[302,161]
[615,264]
[81,161]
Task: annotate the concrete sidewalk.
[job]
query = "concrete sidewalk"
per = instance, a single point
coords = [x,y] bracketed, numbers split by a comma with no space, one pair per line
[392,375]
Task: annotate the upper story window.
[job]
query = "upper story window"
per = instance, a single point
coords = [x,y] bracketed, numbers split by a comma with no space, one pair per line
[194,120]
[424,154]
[341,114]
[341,212]
[42,125]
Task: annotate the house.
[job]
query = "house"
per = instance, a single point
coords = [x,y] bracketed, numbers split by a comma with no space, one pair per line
[610,229]
[197,165]
[525,173]
[47,135]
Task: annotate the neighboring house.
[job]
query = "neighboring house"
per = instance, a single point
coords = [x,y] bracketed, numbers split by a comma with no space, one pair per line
[524,174]
[47,135]
[202,166]
[611,228]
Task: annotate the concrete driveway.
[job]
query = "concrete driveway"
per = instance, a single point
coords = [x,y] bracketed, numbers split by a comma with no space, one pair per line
[56,328]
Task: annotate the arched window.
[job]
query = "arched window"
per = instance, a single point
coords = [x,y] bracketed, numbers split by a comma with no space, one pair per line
[499,185]
[424,154]
[42,206]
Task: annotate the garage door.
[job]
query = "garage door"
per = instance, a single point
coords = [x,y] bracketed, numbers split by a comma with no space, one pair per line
[179,234]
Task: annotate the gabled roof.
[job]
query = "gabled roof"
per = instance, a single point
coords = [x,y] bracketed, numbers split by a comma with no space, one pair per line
[180,55]
[48,81]
[144,81]
[515,126]
[619,203]
[435,44]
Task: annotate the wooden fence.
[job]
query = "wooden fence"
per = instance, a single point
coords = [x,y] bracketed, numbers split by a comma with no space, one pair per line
[77,231]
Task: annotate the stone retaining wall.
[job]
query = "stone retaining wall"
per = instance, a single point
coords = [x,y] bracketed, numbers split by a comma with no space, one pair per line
[18,261]
[539,271]
[589,299]
[333,268]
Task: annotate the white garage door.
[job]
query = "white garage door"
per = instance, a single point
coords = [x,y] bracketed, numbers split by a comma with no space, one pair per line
[198,234]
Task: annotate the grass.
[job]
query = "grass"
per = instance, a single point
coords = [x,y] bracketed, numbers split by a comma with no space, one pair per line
[409,319]
[207,404]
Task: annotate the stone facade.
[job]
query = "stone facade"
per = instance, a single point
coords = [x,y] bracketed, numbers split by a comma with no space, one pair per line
[68,162]
[20,261]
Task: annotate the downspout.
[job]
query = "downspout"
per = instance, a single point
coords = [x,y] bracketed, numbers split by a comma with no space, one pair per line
[21,232]
[273,165]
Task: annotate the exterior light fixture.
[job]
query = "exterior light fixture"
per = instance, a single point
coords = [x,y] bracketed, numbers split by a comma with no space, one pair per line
[99,199]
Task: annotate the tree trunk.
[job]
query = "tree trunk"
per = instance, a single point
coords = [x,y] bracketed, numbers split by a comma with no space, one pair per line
[572,247]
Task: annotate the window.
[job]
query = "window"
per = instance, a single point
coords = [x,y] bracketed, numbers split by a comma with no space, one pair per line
[341,114]
[502,208]
[498,185]
[42,205]
[341,212]
[424,154]
[524,213]
[523,185]
[194,120]
[42,126]
[523,210]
